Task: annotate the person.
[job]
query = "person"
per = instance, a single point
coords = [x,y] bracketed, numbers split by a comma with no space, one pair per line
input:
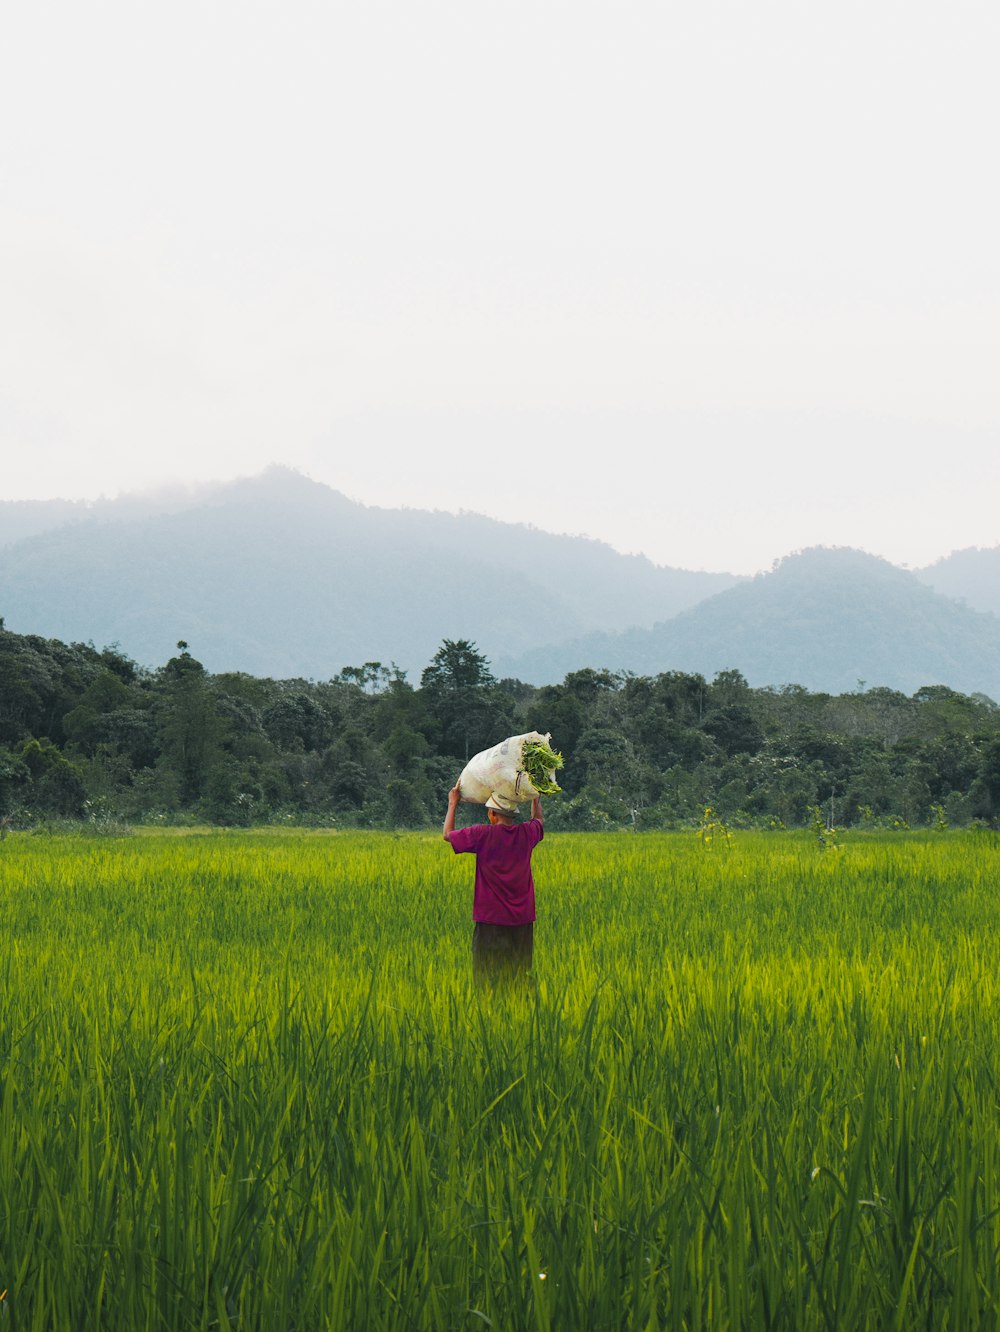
[503,902]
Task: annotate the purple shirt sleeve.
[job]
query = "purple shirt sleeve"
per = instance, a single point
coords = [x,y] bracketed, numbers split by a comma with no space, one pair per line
[537,830]
[467,839]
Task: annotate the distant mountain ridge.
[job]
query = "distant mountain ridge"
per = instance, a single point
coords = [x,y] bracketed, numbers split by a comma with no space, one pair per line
[280,575]
[283,576]
[20,519]
[824,618]
[971,575]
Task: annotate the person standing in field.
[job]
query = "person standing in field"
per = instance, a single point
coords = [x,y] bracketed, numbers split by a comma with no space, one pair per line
[503,903]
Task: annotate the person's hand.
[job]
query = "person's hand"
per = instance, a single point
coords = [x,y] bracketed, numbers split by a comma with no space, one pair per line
[454,796]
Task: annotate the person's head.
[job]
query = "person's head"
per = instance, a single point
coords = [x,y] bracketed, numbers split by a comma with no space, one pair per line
[498,811]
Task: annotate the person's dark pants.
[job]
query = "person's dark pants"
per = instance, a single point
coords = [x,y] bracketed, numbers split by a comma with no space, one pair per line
[501,951]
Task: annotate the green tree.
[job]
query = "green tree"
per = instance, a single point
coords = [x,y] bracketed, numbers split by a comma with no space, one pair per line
[463,699]
[988,781]
[15,780]
[56,783]
[21,705]
[348,779]
[372,677]
[734,728]
[190,729]
[729,687]
[84,725]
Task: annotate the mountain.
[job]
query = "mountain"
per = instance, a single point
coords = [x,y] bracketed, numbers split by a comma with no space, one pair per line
[823,618]
[971,575]
[26,518]
[280,575]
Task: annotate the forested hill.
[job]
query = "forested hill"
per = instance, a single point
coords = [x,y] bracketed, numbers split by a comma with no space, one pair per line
[280,575]
[971,575]
[825,618]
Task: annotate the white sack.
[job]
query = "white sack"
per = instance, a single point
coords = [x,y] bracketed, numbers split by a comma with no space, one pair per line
[497,771]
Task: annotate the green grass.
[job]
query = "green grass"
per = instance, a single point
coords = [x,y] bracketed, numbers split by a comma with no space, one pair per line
[245,1082]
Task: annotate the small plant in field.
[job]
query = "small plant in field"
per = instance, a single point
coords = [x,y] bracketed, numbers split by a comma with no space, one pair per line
[940,817]
[981,828]
[825,834]
[712,827]
[102,820]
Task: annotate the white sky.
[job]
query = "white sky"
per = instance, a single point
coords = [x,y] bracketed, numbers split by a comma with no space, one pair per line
[711,281]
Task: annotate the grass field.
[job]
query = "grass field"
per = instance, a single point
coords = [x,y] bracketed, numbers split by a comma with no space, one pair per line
[245,1082]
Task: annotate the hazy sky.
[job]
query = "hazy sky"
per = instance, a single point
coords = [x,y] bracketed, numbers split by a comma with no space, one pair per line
[710,281]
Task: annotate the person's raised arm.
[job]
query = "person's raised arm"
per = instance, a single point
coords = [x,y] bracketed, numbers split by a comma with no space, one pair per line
[536,809]
[449,819]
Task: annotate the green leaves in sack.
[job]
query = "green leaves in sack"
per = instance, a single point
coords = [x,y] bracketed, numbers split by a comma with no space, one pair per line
[538,761]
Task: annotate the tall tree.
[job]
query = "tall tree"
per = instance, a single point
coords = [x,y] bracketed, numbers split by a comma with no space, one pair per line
[464,699]
[189,723]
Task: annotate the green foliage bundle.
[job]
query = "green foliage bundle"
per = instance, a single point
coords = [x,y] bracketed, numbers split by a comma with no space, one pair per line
[540,762]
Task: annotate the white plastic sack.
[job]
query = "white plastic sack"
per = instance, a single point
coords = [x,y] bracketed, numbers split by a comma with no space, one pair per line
[498,772]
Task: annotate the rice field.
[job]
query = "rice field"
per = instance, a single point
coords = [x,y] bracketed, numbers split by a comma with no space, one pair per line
[246,1082]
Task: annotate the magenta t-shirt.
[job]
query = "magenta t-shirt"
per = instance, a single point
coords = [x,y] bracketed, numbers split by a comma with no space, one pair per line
[505,890]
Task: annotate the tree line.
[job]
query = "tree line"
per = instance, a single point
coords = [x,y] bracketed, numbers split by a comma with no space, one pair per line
[86,733]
